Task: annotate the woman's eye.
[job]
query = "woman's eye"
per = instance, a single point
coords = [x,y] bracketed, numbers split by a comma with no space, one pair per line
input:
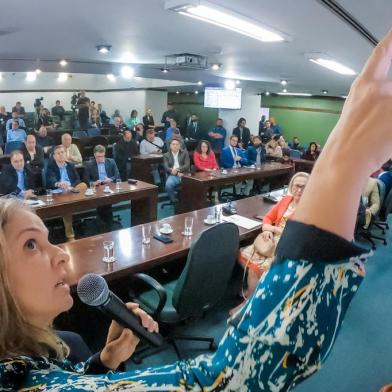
[31,245]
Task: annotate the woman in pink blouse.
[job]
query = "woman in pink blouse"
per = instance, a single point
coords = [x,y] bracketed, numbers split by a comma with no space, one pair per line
[204,158]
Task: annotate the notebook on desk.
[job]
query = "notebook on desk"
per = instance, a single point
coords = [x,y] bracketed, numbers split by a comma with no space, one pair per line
[241,221]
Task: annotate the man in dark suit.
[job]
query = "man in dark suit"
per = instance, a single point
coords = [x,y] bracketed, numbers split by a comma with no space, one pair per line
[123,151]
[148,120]
[256,152]
[170,114]
[193,130]
[62,175]
[176,163]
[102,171]
[16,179]
[242,133]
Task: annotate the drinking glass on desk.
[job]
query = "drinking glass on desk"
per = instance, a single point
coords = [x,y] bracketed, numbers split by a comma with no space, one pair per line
[108,252]
[188,226]
[118,184]
[49,196]
[146,234]
[92,186]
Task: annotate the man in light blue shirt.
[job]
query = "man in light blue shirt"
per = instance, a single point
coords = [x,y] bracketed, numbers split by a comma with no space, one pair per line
[15,134]
[15,116]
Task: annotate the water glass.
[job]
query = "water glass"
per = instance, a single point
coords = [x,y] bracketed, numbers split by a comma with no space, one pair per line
[188,226]
[49,196]
[92,186]
[218,214]
[146,234]
[118,184]
[108,252]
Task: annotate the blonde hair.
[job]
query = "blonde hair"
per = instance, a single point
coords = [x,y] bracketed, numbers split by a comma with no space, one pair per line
[17,335]
[296,175]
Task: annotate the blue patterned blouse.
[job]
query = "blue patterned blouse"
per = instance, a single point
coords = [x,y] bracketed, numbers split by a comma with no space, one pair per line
[281,337]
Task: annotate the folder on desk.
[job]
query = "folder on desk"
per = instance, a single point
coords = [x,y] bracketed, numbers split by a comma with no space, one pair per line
[241,221]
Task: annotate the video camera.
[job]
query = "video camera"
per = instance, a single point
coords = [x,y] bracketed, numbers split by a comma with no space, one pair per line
[37,102]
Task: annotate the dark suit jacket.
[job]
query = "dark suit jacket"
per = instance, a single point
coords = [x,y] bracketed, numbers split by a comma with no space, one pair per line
[38,162]
[9,180]
[53,174]
[252,155]
[148,120]
[193,132]
[245,136]
[183,160]
[123,152]
[91,170]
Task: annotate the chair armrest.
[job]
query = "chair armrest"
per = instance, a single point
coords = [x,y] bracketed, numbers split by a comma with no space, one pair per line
[155,285]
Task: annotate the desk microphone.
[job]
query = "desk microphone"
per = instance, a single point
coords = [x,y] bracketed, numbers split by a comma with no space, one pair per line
[93,290]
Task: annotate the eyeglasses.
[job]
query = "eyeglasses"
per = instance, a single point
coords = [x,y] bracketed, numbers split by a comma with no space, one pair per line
[299,187]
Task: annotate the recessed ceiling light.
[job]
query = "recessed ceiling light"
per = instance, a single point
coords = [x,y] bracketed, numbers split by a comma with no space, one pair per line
[62,77]
[237,82]
[283,82]
[325,91]
[216,66]
[200,83]
[222,17]
[267,93]
[284,90]
[164,70]
[111,77]
[333,66]
[63,63]
[38,71]
[295,94]
[177,92]
[31,76]
[229,84]
[196,92]
[127,72]
[104,48]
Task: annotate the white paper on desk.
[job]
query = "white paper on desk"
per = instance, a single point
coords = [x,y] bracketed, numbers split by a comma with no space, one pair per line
[241,221]
[35,203]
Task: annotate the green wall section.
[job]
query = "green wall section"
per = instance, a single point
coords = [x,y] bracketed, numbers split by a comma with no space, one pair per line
[314,125]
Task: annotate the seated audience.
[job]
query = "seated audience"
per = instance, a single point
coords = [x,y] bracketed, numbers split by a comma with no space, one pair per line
[148,119]
[72,153]
[58,110]
[17,179]
[95,119]
[62,175]
[172,130]
[217,136]
[45,119]
[256,152]
[282,143]
[117,127]
[33,154]
[176,163]
[267,132]
[371,200]
[257,258]
[193,130]
[45,141]
[312,152]
[19,109]
[102,171]
[386,178]
[138,133]
[277,130]
[102,115]
[296,145]
[114,115]
[286,158]
[204,157]
[15,134]
[151,144]
[133,119]
[234,157]
[243,133]
[123,152]
[15,116]
[273,148]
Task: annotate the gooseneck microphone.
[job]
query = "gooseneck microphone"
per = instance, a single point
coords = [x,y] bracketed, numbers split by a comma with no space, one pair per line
[93,290]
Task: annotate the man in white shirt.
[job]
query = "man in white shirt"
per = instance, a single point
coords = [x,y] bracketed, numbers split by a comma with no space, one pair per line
[72,153]
[151,144]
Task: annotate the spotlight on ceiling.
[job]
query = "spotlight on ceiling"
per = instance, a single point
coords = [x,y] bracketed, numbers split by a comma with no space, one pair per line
[229,84]
[63,63]
[200,83]
[62,77]
[216,66]
[237,82]
[111,77]
[283,82]
[325,92]
[267,93]
[104,48]
[177,92]
[164,70]
[196,92]
[31,76]
[284,90]
[127,72]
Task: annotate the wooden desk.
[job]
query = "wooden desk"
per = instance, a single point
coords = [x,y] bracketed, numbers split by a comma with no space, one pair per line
[143,198]
[194,187]
[131,256]
[303,165]
[141,166]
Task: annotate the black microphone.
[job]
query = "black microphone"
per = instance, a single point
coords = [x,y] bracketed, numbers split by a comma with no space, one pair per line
[93,290]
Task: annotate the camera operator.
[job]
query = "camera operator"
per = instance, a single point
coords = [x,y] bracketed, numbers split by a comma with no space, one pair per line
[84,110]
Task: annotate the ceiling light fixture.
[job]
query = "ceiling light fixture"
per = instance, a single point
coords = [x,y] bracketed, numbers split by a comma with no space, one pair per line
[267,93]
[127,72]
[237,82]
[216,66]
[283,82]
[284,90]
[104,48]
[177,92]
[295,94]
[38,71]
[196,92]
[31,76]
[325,91]
[111,77]
[333,66]
[222,17]
[62,77]
[229,84]
[200,83]
[164,70]
[63,63]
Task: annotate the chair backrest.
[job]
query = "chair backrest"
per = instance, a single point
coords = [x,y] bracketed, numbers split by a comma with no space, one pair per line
[99,140]
[386,206]
[93,132]
[11,146]
[295,154]
[79,133]
[381,190]
[207,271]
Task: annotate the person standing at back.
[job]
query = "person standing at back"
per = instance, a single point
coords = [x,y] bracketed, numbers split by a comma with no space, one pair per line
[83,111]
[148,119]
[169,114]
[58,110]
[243,133]
[193,130]
[217,136]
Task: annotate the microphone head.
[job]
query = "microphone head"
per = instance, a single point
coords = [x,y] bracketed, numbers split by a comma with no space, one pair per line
[93,290]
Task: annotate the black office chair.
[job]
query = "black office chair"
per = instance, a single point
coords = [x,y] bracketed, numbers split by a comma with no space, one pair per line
[200,286]
[78,349]
[385,210]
